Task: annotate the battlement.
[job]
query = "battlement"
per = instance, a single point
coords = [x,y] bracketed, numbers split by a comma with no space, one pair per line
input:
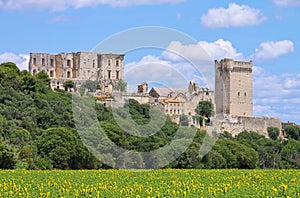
[229,65]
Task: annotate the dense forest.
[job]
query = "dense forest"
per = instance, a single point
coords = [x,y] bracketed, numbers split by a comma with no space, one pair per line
[39,131]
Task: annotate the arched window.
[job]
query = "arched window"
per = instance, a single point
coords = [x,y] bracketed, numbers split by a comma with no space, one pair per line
[68,74]
[117,63]
[245,94]
[238,93]
[34,72]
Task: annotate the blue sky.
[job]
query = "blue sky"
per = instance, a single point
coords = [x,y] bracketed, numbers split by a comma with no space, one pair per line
[266,32]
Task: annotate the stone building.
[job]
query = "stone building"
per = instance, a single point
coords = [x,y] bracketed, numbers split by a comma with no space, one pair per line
[179,101]
[234,99]
[78,67]
[233,87]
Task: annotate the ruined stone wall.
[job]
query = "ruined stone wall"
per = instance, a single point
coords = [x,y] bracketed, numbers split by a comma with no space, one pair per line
[42,62]
[78,67]
[237,124]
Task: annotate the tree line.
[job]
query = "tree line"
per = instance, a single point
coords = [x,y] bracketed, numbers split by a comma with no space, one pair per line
[38,131]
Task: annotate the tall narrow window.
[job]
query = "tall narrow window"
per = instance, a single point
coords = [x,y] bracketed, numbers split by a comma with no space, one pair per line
[108,74]
[109,62]
[245,94]
[34,72]
[238,93]
[43,61]
[34,61]
[117,75]
[68,74]
[117,63]
[68,62]
[51,73]
[51,62]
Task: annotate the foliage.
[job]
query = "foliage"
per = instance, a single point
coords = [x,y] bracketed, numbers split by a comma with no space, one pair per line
[293,132]
[7,160]
[90,85]
[120,85]
[205,108]
[184,120]
[273,132]
[68,85]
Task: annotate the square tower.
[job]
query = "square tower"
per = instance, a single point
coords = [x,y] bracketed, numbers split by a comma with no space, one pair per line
[233,87]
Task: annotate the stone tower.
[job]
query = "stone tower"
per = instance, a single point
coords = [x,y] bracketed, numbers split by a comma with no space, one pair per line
[233,87]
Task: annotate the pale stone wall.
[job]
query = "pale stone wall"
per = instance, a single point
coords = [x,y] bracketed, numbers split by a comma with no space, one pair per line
[78,67]
[237,124]
[233,87]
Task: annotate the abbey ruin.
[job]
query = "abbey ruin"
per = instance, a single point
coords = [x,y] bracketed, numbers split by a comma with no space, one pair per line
[232,97]
[79,67]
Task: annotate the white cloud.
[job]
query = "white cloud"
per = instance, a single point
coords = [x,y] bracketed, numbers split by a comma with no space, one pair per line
[21,60]
[221,49]
[64,4]
[235,15]
[203,50]
[276,95]
[287,3]
[273,49]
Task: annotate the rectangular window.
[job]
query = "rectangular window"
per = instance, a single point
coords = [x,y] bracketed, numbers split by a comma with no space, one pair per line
[117,63]
[34,61]
[109,74]
[68,62]
[43,61]
[117,75]
[51,62]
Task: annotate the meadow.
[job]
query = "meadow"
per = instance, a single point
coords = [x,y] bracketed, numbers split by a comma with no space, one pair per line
[156,183]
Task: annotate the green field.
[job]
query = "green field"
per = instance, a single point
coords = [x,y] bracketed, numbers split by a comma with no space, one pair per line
[157,183]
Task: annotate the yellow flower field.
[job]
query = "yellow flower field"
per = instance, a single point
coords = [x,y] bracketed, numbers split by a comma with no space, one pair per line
[157,183]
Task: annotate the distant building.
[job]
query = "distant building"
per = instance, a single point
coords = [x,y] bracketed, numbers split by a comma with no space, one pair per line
[179,101]
[79,67]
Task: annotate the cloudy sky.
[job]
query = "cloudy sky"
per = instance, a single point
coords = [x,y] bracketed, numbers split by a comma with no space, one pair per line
[266,32]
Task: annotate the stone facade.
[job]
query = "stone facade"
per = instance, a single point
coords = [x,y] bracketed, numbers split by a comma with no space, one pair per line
[78,67]
[233,87]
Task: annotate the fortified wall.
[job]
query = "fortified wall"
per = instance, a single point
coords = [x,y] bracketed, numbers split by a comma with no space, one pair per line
[236,124]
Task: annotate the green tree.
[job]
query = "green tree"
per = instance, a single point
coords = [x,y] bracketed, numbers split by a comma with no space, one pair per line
[273,132]
[43,78]
[184,120]
[205,108]
[293,132]
[68,85]
[120,85]
[91,85]
[7,160]
[65,150]
[291,154]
